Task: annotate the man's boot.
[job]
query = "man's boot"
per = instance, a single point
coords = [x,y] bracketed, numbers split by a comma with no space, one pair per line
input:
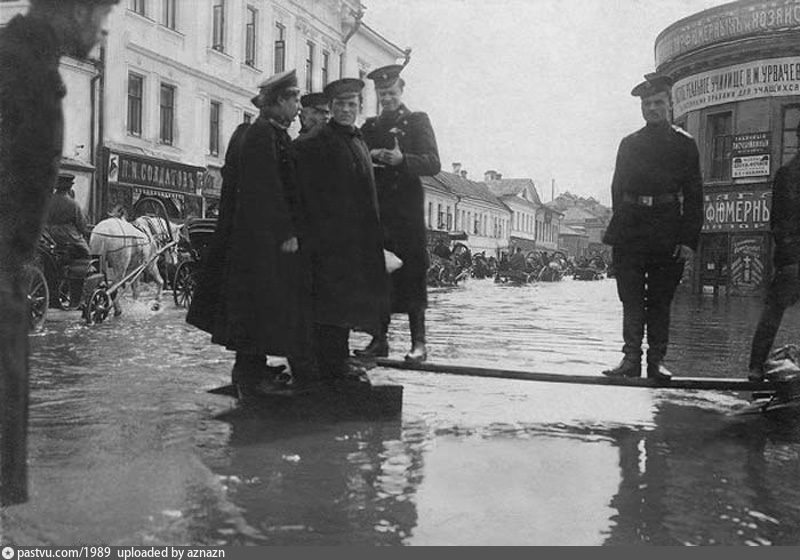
[416,321]
[378,346]
[630,366]
[657,371]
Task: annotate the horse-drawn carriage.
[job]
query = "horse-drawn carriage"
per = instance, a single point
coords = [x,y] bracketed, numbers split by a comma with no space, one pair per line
[193,240]
[589,268]
[539,266]
[126,250]
[449,267]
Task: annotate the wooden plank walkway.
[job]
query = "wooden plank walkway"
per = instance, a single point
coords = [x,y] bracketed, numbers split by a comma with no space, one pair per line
[701,383]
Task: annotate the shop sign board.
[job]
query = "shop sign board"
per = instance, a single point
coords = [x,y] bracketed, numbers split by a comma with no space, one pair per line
[747,263]
[751,144]
[726,23]
[750,166]
[737,210]
[773,77]
[149,172]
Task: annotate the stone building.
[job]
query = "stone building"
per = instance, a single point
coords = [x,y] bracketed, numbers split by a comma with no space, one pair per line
[736,69]
[151,115]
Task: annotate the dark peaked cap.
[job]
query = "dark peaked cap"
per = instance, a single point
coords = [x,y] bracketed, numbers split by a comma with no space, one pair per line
[284,81]
[314,100]
[386,76]
[343,87]
[653,83]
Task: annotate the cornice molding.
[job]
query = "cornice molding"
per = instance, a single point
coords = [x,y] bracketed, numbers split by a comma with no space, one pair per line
[133,47]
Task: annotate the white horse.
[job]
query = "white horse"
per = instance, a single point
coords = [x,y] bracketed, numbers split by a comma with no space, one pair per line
[124,246]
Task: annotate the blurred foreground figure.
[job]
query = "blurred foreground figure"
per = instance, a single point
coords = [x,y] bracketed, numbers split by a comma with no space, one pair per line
[31,136]
[657,195]
[784,291]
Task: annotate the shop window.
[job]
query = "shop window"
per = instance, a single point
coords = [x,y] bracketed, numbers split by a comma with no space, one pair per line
[720,134]
[440,217]
[280,48]
[789,147]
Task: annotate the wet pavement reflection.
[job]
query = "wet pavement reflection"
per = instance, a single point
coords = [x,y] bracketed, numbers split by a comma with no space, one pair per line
[127,447]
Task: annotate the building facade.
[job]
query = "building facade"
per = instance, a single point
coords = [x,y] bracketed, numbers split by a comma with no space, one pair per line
[736,70]
[176,77]
[521,198]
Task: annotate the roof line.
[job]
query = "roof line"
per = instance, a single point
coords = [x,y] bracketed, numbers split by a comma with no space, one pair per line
[399,50]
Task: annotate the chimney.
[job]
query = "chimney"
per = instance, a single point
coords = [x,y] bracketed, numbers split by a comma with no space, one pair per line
[463,173]
[456,168]
[490,175]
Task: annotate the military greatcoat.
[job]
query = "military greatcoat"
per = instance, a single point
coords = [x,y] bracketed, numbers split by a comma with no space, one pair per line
[262,290]
[401,198]
[350,284]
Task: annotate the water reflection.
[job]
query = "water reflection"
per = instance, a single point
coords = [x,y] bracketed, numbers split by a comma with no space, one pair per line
[313,482]
[128,448]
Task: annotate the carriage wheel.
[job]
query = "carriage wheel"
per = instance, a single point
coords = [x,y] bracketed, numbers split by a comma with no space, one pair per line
[97,307]
[63,294]
[446,277]
[38,297]
[183,285]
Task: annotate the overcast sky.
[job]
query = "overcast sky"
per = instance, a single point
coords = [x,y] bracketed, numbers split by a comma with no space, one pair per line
[530,88]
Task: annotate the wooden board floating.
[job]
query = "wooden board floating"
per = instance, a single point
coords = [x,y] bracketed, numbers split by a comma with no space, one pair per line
[376,401]
[702,383]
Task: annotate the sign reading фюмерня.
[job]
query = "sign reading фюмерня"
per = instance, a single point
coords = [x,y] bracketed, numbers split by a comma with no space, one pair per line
[761,78]
[726,23]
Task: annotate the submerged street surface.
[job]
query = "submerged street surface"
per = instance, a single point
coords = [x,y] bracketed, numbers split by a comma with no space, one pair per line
[127,447]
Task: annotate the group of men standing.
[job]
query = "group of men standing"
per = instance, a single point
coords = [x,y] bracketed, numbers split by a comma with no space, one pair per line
[297,261]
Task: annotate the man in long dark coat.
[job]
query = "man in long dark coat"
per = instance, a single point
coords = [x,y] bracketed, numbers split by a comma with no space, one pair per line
[657,196]
[350,284]
[263,292]
[403,147]
[31,136]
[66,224]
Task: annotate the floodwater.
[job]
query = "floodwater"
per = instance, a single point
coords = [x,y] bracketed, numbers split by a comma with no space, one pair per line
[127,447]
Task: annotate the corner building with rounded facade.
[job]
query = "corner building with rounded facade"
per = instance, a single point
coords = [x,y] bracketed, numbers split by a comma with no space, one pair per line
[736,73]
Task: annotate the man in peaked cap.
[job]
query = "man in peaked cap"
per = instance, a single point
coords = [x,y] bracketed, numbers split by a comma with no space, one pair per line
[403,148]
[31,136]
[348,268]
[316,111]
[657,195]
[263,293]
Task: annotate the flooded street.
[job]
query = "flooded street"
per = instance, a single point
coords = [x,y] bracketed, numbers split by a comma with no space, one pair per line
[127,447]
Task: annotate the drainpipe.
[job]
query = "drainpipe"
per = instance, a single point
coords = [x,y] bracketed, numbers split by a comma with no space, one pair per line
[98,196]
[356,25]
[93,147]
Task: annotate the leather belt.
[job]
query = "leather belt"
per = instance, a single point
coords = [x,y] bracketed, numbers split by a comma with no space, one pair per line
[651,200]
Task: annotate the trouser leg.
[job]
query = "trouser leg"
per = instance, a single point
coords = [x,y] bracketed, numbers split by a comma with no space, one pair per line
[783,292]
[663,274]
[416,323]
[630,276]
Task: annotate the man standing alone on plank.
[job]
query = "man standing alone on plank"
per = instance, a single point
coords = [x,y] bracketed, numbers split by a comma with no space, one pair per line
[350,284]
[657,197]
[403,148]
[31,136]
